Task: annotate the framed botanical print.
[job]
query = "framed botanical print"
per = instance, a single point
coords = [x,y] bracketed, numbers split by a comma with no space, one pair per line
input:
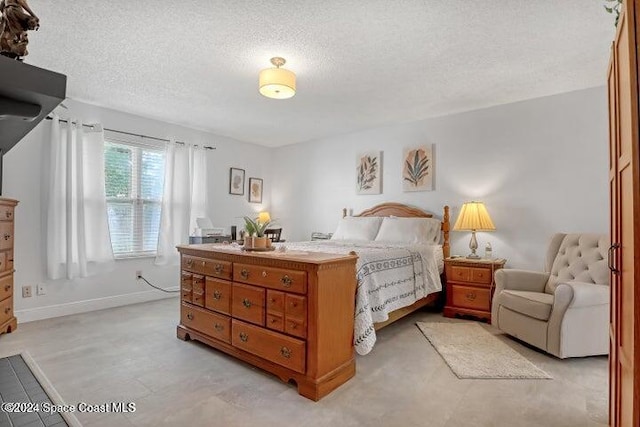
[255,190]
[369,172]
[417,168]
[236,181]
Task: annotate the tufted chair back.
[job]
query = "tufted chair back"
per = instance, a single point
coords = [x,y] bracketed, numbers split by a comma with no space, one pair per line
[577,258]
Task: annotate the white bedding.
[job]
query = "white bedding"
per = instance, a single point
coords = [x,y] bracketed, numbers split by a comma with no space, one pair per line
[390,276]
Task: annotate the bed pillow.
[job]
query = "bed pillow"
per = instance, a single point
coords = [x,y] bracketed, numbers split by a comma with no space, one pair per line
[357,228]
[409,230]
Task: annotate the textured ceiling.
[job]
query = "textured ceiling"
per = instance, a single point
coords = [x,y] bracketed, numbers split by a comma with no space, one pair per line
[360,64]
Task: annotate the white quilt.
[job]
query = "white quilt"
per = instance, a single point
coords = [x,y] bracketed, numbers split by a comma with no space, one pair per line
[390,276]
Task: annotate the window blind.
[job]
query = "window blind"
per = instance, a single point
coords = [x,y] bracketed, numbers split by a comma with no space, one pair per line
[134,178]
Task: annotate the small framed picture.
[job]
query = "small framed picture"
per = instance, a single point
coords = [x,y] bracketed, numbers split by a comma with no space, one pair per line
[255,190]
[236,181]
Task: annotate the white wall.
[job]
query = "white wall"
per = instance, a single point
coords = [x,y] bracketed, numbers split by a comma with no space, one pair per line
[23,181]
[540,166]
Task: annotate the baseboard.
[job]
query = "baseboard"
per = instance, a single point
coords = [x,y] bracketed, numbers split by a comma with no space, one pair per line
[75,307]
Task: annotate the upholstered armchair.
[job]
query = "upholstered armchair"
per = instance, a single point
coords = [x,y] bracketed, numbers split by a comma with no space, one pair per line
[564,310]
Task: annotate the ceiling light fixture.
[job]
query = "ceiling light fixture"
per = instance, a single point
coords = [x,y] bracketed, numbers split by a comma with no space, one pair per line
[277,83]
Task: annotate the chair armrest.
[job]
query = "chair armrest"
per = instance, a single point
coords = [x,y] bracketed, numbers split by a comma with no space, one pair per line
[521,280]
[580,294]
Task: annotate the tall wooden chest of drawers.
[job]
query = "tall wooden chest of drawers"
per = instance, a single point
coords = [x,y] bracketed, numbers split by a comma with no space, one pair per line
[7,319]
[291,314]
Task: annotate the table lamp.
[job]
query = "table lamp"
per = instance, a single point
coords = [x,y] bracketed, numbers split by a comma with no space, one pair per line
[473,217]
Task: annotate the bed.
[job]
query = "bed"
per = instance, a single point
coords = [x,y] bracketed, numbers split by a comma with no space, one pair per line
[396,275]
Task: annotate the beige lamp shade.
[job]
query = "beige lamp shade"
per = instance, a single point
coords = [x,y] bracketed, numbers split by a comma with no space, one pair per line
[277,83]
[474,216]
[264,217]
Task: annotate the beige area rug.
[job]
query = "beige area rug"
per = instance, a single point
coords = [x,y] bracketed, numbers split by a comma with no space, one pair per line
[473,352]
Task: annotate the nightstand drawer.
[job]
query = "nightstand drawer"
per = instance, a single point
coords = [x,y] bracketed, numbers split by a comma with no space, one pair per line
[461,274]
[470,297]
[481,275]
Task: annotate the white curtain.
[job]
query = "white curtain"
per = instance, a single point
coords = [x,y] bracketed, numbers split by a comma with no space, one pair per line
[78,242]
[184,199]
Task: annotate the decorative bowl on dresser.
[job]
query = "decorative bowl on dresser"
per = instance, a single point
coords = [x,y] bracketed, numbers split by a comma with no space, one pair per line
[8,321]
[291,314]
[470,286]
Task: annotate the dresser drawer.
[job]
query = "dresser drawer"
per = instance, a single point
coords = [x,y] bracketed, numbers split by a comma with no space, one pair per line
[6,235]
[273,346]
[295,306]
[295,327]
[218,295]
[470,297]
[247,303]
[197,295]
[186,286]
[6,213]
[6,310]
[6,287]
[207,267]
[212,324]
[269,277]
[275,322]
[275,301]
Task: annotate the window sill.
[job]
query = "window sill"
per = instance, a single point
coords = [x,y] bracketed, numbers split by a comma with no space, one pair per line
[133,256]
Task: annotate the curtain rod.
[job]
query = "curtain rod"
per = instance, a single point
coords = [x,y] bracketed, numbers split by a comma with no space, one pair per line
[133,134]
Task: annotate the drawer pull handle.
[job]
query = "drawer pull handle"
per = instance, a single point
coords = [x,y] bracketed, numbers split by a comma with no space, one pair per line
[471,296]
[218,268]
[272,300]
[264,274]
[285,352]
[294,325]
[218,327]
[246,302]
[294,304]
[8,214]
[244,337]
[7,288]
[204,264]
[273,320]
[7,310]
[189,262]
[217,295]
[244,273]
[286,281]
[7,236]
[190,316]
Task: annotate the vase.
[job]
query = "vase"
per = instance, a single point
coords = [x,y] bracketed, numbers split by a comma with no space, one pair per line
[248,242]
[259,242]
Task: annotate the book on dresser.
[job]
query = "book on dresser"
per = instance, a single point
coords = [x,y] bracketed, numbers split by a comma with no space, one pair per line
[8,321]
[289,314]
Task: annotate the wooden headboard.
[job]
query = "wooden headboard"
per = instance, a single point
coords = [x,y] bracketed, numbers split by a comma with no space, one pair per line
[400,210]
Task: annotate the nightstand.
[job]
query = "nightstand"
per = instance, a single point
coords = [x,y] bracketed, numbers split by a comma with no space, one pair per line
[470,286]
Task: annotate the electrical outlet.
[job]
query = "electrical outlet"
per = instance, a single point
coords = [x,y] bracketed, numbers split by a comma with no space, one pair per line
[41,289]
[26,292]
[138,274]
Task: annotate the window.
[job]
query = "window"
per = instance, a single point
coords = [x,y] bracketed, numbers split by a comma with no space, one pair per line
[134,178]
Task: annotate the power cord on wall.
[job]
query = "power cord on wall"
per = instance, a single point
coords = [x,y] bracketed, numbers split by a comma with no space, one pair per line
[156,287]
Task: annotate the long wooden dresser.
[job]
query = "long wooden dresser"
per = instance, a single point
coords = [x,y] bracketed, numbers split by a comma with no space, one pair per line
[291,314]
[8,321]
